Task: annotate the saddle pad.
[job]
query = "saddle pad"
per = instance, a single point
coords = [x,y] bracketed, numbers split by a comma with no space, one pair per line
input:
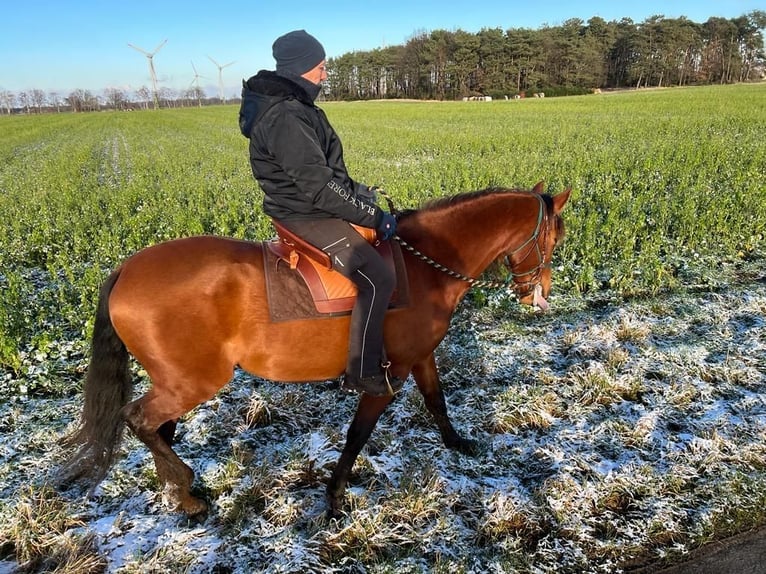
[290,297]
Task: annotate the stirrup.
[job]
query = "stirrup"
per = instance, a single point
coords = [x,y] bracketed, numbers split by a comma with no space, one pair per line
[393,383]
[383,384]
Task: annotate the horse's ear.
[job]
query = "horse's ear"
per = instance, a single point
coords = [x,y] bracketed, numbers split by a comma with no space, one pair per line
[539,187]
[560,200]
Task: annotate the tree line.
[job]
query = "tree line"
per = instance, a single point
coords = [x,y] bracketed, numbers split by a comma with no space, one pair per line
[80,100]
[575,57]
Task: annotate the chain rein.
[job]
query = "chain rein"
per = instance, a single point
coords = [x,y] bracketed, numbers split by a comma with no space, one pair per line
[472,281]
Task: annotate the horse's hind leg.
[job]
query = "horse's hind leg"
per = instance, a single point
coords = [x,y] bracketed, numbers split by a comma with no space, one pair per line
[168,431]
[427,378]
[152,419]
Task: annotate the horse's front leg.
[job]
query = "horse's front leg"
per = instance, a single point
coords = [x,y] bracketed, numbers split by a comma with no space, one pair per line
[427,378]
[367,414]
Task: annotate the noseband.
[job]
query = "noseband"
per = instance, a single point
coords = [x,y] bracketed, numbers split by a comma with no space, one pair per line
[511,283]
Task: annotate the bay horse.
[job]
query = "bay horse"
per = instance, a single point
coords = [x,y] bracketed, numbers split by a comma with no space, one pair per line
[191,310]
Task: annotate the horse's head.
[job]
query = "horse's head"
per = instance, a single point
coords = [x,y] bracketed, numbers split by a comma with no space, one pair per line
[530,263]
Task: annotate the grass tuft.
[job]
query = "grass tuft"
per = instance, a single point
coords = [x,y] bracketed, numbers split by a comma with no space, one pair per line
[41,534]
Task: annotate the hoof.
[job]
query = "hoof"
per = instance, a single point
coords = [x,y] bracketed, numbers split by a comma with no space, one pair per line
[195,508]
[466,446]
[334,505]
[178,501]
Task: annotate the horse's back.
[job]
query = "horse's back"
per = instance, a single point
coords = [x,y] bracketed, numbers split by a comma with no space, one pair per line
[183,270]
[194,254]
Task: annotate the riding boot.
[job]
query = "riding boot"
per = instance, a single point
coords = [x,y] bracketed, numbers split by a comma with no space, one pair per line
[367,368]
[380,385]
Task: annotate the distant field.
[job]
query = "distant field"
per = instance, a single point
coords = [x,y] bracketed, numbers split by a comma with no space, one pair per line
[667,183]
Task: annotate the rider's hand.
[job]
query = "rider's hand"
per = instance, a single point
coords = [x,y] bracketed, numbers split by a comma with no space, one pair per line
[386,227]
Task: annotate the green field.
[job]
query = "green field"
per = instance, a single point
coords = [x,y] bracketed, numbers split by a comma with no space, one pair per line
[624,428]
[667,185]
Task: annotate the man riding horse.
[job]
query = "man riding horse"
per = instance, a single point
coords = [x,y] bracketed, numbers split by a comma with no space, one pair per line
[297,158]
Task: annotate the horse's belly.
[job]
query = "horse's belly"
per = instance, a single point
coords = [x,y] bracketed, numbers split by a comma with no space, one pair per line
[298,351]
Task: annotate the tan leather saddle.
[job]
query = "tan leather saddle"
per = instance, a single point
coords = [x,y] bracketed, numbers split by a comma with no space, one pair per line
[331,292]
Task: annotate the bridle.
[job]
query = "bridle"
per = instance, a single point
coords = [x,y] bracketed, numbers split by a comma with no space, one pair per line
[519,288]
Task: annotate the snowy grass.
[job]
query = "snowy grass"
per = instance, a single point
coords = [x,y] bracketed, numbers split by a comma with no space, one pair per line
[614,434]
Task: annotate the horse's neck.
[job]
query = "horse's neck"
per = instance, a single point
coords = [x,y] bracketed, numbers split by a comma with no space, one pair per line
[469,236]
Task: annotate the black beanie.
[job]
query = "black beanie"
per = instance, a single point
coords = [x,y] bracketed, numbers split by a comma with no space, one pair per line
[297,52]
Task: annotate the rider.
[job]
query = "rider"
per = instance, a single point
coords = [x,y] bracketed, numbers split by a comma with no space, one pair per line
[297,158]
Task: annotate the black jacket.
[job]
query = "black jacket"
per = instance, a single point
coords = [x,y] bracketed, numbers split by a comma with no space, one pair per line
[297,157]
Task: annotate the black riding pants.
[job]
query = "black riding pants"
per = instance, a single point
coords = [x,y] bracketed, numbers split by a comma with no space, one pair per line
[353,257]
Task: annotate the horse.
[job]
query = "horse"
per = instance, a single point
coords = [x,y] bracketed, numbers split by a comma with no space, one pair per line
[192,310]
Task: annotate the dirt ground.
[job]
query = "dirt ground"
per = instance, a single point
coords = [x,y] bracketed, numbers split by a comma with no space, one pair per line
[744,553]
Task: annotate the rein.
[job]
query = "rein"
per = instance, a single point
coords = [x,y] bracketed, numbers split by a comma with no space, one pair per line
[474,282]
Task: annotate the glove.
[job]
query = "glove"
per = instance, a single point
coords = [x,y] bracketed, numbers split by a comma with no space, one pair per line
[387,226]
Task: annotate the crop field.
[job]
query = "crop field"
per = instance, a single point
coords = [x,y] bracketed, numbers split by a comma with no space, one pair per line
[624,427]
[667,186]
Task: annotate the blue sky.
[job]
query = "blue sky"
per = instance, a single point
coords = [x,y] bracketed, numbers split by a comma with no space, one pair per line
[61,46]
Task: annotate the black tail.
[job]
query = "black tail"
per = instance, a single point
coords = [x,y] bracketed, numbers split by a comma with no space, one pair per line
[108,388]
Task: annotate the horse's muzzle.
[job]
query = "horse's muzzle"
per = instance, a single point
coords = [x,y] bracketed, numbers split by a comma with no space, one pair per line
[535,298]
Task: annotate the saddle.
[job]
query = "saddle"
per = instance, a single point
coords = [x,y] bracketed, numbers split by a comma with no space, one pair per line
[329,292]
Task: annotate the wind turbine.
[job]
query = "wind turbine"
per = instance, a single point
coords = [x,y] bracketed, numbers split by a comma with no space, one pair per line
[195,83]
[150,56]
[220,78]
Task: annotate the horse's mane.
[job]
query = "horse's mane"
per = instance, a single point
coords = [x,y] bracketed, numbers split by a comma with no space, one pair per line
[457,199]
[460,198]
